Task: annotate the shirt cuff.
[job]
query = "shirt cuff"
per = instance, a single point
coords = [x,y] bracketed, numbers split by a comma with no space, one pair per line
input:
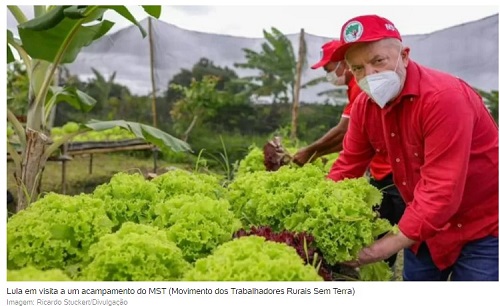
[414,226]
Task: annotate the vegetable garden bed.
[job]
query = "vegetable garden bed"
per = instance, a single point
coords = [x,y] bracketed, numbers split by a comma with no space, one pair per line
[288,225]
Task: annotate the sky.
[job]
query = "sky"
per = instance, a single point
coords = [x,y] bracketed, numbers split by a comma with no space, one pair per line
[321,20]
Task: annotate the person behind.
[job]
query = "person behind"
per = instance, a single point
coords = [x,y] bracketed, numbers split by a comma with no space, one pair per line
[392,205]
[442,145]
[337,74]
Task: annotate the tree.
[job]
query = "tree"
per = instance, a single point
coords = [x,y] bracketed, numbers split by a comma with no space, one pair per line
[276,64]
[199,102]
[53,37]
[204,67]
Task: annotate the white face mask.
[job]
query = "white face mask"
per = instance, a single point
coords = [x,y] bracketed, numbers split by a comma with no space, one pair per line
[332,76]
[383,86]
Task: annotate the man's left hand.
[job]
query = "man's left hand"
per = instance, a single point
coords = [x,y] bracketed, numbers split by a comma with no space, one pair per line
[382,249]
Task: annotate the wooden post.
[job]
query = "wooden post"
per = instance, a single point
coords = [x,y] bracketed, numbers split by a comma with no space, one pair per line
[296,88]
[153,87]
[151,62]
[155,159]
[63,174]
[90,163]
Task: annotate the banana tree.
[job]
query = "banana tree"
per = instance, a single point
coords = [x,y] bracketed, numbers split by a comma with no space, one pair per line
[53,37]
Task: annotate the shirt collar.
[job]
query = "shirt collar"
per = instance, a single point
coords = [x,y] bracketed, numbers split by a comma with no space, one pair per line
[412,82]
[411,86]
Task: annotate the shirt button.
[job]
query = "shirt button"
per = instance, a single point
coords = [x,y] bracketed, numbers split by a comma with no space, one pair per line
[404,183]
[392,134]
[378,150]
[411,99]
[416,154]
[398,160]
[459,225]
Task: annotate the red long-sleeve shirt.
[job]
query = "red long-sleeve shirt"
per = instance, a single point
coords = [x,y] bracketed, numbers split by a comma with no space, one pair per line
[379,166]
[442,144]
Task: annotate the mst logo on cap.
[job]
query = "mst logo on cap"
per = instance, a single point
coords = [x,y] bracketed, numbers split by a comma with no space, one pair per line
[367,28]
[353,31]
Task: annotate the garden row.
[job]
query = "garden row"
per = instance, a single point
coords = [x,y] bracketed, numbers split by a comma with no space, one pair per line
[288,225]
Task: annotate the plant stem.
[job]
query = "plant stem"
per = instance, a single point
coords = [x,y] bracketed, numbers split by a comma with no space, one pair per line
[39,10]
[18,128]
[17,13]
[41,95]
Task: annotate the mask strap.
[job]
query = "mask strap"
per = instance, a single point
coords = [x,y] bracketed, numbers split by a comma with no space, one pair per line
[336,67]
[399,57]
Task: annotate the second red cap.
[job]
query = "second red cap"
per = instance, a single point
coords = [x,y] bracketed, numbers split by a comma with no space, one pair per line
[326,53]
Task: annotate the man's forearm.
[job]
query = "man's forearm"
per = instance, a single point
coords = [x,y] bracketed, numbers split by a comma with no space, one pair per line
[330,150]
[331,142]
[384,248]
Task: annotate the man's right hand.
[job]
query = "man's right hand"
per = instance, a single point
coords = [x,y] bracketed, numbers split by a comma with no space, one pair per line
[303,156]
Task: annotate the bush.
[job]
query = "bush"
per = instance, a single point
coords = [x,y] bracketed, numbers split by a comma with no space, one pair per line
[182,182]
[55,232]
[135,253]
[252,258]
[32,274]
[338,214]
[196,223]
[252,162]
[128,197]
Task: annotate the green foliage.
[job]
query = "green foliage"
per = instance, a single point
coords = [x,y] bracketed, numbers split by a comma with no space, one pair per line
[378,271]
[198,103]
[196,223]
[162,140]
[10,131]
[252,258]
[135,253]
[491,101]
[236,147]
[72,96]
[276,63]
[268,198]
[17,88]
[340,218]
[70,127]
[253,161]
[70,28]
[31,274]
[128,197]
[55,232]
[338,214]
[55,36]
[204,67]
[182,182]
[112,100]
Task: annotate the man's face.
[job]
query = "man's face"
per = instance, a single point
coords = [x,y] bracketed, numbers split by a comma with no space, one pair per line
[339,69]
[374,57]
[330,67]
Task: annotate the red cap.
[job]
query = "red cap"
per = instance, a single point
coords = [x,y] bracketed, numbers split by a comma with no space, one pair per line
[326,53]
[364,29]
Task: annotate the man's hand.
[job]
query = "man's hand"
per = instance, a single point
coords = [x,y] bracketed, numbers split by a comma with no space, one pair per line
[382,249]
[304,156]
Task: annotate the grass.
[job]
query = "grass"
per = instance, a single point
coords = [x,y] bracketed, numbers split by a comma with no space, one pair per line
[78,177]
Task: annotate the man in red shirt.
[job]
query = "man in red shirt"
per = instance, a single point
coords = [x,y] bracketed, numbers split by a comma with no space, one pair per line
[392,205]
[337,74]
[442,144]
